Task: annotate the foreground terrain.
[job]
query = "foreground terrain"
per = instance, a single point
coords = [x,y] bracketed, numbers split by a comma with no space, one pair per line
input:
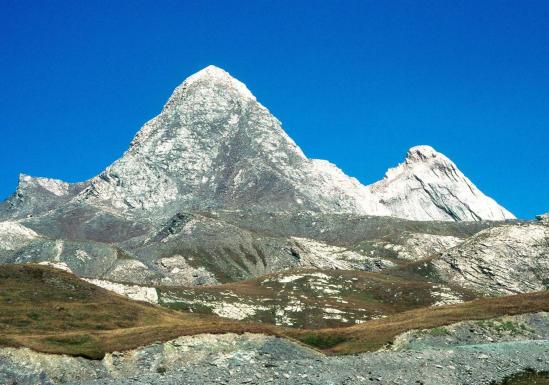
[52,311]
[259,359]
[313,298]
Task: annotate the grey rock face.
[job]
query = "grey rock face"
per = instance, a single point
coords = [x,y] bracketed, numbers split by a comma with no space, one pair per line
[415,246]
[213,145]
[209,247]
[35,196]
[505,259]
[532,326]
[429,186]
[544,218]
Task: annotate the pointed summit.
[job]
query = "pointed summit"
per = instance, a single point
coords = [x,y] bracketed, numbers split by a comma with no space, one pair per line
[210,84]
[213,145]
[424,153]
[429,186]
[208,71]
[213,74]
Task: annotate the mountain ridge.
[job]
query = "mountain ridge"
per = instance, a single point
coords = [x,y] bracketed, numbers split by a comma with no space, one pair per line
[214,146]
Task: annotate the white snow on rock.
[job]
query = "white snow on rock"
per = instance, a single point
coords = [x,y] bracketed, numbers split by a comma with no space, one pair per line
[14,235]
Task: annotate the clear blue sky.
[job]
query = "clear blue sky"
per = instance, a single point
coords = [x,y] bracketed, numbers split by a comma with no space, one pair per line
[354,82]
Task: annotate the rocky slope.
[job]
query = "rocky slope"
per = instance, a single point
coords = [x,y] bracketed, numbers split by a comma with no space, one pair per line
[217,247]
[257,359]
[213,190]
[312,299]
[502,260]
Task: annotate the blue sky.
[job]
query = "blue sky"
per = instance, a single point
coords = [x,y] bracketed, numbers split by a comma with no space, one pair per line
[354,82]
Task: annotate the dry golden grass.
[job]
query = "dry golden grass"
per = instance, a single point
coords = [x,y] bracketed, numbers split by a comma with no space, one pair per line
[360,294]
[52,311]
[373,335]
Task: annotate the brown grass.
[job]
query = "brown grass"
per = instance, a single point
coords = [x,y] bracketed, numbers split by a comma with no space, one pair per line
[373,335]
[364,294]
[53,311]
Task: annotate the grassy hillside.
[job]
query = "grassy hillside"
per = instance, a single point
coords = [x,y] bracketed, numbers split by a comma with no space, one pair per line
[313,298]
[373,335]
[52,311]
[528,378]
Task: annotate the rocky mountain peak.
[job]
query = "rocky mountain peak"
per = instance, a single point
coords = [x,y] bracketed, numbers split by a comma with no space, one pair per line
[214,75]
[211,85]
[429,186]
[424,153]
[53,186]
[212,145]
[421,160]
[35,195]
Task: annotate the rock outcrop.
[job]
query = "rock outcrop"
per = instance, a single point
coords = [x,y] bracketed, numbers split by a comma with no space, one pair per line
[506,259]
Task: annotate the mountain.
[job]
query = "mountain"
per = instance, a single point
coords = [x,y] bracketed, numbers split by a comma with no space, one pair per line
[213,190]
[429,186]
[214,146]
[214,210]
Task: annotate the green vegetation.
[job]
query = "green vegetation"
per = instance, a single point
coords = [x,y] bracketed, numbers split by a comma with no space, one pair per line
[52,311]
[374,334]
[507,327]
[529,377]
[322,341]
